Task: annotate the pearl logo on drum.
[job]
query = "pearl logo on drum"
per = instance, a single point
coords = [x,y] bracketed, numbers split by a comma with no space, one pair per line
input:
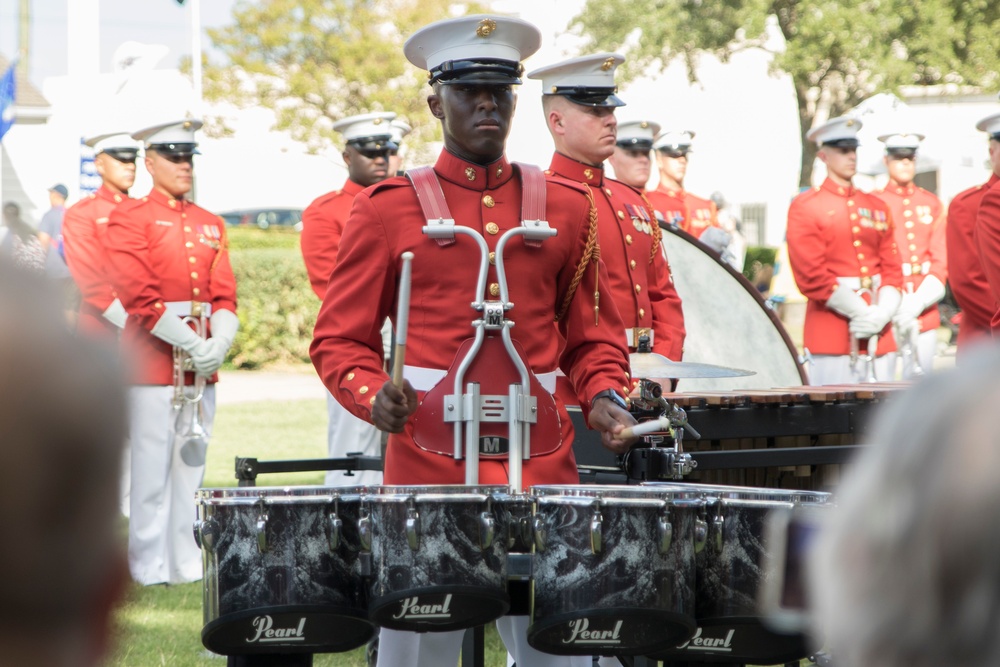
[700,643]
[267,633]
[412,609]
[582,634]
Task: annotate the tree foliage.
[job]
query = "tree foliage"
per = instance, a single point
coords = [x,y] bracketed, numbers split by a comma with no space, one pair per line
[837,52]
[314,62]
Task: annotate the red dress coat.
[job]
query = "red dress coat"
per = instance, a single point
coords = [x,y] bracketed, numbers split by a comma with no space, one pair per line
[84,226]
[322,226]
[988,235]
[641,284]
[165,250]
[965,270]
[837,232]
[385,222]
[920,223]
[689,212]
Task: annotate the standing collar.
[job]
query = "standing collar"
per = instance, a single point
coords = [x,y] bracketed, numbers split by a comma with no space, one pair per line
[352,187]
[576,171]
[838,190]
[104,192]
[473,176]
[165,200]
[670,191]
[900,189]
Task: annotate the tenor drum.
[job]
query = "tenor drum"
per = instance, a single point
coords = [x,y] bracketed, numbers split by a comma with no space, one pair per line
[282,570]
[613,569]
[439,555]
[730,574]
[727,321]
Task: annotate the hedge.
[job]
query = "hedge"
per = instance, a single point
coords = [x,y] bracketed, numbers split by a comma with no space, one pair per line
[277,307]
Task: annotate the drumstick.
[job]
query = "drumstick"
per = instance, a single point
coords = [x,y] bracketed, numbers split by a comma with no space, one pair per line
[645,428]
[402,315]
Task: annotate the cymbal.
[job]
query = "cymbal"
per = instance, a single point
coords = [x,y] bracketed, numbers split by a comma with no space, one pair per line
[651,365]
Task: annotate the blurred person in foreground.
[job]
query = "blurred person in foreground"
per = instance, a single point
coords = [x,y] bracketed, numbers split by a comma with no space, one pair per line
[906,573]
[919,219]
[19,242]
[368,153]
[63,560]
[170,261]
[966,273]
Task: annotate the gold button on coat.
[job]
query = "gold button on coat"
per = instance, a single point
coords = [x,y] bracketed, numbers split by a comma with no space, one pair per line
[363,390]
[492,227]
[488,201]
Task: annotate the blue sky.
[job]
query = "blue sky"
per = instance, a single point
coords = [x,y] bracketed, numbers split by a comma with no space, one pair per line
[148,21]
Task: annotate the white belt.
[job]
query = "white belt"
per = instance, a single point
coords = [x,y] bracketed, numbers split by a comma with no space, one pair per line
[916,269]
[854,282]
[185,308]
[423,379]
[632,335]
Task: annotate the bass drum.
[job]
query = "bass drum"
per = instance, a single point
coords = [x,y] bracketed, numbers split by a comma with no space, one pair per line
[727,321]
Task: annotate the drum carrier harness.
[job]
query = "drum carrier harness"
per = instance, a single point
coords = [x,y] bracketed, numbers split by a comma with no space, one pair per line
[467,410]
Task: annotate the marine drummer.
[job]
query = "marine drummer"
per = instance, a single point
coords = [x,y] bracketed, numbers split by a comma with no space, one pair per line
[579,102]
[473,64]
[842,251]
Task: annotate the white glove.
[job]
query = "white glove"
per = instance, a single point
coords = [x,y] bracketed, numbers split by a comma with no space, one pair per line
[847,302]
[716,238]
[931,291]
[170,329]
[875,317]
[869,323]
[225,324]
[909,309]
[115,313]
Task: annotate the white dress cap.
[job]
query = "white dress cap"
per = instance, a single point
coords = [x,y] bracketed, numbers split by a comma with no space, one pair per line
[476,49]
[902,140]
[588,80]
[399,129]
[841,131]
[174,132]
[674,139]
[121,141]
[366,126]
[637,133]
[990,125]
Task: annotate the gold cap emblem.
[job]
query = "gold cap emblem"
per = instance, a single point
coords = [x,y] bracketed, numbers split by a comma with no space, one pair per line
[644,125]
[187,125]
[486,27]
[607,64]
[377,121]
[850,123]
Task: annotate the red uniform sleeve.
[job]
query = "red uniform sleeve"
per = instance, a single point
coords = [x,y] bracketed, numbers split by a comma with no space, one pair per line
[807,250]
[668,316]
[938,246]
[86,256]
[358,301]
[988,236]
[965,270]
[320,241]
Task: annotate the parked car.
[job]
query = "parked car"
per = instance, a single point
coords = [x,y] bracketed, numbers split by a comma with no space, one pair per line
[265,218]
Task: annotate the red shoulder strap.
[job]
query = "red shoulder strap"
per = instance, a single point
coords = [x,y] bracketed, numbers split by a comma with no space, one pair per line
[432,201]
[532,199]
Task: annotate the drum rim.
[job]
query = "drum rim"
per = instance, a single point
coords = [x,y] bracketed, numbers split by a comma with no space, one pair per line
[722,491]
[609,492]
[252,494]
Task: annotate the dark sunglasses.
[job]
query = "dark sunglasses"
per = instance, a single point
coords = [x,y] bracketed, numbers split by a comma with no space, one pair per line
[178,158]
[375,153]
[675,152]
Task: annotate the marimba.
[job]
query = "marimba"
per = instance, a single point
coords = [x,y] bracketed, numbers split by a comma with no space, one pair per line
[789,437]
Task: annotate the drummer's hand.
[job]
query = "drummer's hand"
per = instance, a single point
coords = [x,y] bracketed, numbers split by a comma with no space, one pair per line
[610,419]
[393,406]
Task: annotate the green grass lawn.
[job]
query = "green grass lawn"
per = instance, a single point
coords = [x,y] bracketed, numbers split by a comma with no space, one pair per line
[161,625]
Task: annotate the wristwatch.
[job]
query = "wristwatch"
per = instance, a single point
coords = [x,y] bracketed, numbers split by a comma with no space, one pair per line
[613,395]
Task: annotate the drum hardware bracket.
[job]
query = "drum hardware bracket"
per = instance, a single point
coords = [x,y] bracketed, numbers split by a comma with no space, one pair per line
[520,567]
[248,468]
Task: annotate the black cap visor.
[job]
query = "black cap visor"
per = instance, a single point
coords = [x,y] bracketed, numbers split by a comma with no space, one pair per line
[176,150]
[902,153]
[589,96]
[122,154]
[489,71]
[677,150]
[635,144]
[374,144]
[843,143]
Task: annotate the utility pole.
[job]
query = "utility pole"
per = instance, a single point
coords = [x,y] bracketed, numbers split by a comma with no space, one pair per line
[24,38]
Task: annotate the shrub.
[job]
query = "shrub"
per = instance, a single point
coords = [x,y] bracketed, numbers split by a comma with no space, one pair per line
[277,307]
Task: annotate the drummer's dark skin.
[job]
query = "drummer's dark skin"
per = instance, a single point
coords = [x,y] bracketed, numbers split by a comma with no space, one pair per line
[476,119]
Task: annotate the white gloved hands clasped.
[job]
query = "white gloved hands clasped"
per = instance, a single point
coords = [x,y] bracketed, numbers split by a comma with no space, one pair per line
[874,318]
[173,331]
[913,304]
[225,324]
